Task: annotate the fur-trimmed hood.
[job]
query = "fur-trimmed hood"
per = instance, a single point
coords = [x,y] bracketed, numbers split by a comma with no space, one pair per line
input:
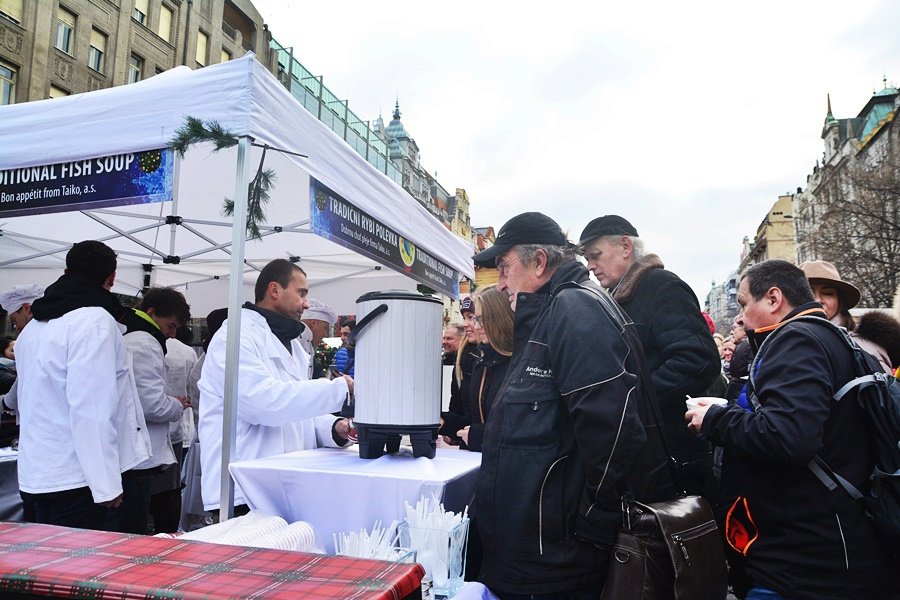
[624,291]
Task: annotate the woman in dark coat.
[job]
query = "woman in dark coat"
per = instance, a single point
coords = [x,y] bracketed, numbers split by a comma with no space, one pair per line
[493,322]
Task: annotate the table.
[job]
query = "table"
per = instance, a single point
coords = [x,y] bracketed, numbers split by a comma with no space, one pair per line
[10,499]
[337,491]
[50,561]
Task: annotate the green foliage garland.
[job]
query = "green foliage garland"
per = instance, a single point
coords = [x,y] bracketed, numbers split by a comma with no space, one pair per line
[195,131]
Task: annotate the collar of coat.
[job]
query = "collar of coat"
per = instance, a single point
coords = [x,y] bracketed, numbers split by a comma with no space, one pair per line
[624,290]
[757,336]
[284,328]
[138,320]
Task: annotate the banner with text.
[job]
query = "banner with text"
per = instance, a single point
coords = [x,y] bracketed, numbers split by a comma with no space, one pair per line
[134,178]
[336,219]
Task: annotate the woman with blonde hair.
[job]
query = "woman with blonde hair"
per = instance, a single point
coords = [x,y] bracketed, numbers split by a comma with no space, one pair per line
[494,321]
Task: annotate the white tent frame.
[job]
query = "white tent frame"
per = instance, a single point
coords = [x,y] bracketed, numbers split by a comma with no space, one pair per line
[248,113]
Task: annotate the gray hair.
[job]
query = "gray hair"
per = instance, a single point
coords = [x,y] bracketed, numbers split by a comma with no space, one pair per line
[637,244]
[458,328]
[556,255]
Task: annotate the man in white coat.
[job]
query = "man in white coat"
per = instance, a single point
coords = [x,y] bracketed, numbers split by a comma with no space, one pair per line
[161,312]
[80,422]
[317,319]
[278,408]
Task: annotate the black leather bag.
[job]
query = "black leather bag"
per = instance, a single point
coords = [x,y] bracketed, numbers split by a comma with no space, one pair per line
[667,550]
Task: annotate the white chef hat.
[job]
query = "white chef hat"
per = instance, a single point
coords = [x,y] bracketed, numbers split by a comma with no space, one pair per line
[320,312]
[12,300]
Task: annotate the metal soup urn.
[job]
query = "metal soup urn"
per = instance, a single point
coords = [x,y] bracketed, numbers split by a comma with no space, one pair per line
[397,384]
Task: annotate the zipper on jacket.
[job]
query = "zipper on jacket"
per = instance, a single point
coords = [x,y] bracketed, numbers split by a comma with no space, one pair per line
[541,504]
[535,405]
[689,534]
[843,542]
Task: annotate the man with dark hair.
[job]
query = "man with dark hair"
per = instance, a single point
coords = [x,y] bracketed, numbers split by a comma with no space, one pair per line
[161,312]
[278,408]
[565,437]
[682,357]
[345,356]
[792,537]
[80,425]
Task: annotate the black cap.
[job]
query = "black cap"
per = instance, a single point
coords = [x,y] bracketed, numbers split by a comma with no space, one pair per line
[527,228]
[467,305]
[607,225]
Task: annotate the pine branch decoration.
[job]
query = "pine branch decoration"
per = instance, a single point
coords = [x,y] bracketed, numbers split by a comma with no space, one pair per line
[257,197]
[194,131]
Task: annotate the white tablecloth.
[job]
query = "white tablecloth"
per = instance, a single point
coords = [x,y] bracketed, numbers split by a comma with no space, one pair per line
[337,491]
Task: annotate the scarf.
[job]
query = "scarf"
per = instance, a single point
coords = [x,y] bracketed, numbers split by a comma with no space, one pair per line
[71,292]
[284,328]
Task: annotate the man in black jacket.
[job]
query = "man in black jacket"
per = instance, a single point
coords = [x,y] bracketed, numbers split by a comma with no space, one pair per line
[681,354]
[565,438]
[790,533]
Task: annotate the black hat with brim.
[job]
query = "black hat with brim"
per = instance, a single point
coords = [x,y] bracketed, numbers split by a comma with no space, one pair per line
[607,225]
[527,228]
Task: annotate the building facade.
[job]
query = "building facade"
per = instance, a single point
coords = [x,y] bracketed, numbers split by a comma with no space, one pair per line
[774,236]
[52,49]
[849,211]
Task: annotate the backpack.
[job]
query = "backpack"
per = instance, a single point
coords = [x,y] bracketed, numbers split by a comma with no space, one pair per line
[878,395]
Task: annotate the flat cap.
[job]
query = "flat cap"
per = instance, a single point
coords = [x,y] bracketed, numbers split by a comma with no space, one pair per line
[607,225]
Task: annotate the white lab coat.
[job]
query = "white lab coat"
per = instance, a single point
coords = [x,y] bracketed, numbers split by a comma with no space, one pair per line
[81,424]
[180,359]
[149,367]
[278,408]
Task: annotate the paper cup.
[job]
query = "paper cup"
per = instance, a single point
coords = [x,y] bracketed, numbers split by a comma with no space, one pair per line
[695,402]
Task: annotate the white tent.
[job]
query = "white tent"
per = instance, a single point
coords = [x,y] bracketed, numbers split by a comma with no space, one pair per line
[248,102]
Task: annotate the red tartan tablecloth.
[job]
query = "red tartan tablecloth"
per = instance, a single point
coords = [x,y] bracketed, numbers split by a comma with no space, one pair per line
[78,563]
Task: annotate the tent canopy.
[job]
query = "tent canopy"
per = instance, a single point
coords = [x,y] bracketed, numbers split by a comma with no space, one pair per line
[246,100]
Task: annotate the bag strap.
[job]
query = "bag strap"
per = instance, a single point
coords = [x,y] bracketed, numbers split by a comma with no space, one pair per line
[830,479]
[481,394]
[623,320]
[861,382]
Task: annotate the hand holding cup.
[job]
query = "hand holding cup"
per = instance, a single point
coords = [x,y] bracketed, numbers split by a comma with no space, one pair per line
[696,410]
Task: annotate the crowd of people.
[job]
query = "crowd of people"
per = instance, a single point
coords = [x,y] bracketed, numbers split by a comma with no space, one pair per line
[569,376]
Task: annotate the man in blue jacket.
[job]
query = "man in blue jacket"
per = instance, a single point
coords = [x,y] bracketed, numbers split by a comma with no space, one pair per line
[790,535]
[565,438]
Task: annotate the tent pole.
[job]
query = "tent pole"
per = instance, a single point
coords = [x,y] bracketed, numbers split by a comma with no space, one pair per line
[174,208]
[232,349]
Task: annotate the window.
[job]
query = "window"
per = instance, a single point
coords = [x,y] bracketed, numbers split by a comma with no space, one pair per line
[12,9]
[140,11]
[56,92]
[225,57]
[202,43]
[65,30]
[165,23]
[7,84]
[97,51]
[135,68]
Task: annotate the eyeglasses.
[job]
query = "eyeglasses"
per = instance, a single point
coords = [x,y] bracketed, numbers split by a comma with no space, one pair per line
[478,320]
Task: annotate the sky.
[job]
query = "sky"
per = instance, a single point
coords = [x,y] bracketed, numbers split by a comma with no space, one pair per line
[687,118]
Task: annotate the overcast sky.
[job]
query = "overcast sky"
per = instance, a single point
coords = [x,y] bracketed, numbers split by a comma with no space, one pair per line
[687,118]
